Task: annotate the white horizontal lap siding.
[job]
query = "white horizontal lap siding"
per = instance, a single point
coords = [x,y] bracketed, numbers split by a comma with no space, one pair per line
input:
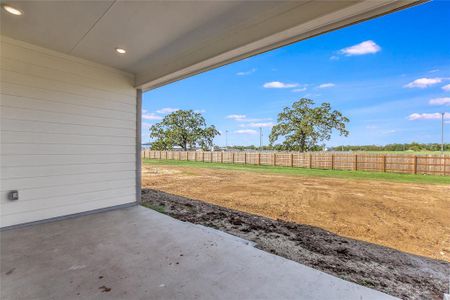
[68,134]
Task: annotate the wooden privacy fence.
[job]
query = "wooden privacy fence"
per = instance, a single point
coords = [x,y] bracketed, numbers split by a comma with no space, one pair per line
[391,163]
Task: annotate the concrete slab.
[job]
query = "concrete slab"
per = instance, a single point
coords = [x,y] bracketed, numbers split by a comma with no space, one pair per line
[137,253]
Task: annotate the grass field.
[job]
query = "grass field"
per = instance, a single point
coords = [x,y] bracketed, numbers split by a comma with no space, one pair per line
[310,172]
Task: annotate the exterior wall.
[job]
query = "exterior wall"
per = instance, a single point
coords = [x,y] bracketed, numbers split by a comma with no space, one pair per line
[68,134]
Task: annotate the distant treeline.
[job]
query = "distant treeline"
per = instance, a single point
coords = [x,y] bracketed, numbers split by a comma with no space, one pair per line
[393,147]
[389,147]
[269,148]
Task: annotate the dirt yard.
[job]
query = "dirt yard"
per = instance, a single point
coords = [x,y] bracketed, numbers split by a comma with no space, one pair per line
[397,273]
[413,218]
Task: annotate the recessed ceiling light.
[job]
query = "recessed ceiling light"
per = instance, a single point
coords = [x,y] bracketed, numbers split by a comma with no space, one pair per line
[121,50]
[12,10]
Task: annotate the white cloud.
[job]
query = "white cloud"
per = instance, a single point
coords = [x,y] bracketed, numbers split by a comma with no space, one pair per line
[423,82]
[246,131]
[257,119]
[279,85]
[151,116]
[427,116]
[440,101]
[446,88]
[326,85]
[200,111]
[366,47]
[166,110]
[244,73]
[299,90]
[243,118]
[236,117]
[257,125]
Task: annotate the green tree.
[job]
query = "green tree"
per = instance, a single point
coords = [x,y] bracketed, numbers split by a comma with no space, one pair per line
[184,128]
[302,126]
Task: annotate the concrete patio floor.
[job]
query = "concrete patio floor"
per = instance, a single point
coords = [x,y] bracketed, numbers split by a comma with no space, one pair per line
[137,253]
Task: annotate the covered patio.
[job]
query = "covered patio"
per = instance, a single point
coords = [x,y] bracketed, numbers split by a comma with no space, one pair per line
[137,253]
[72,78]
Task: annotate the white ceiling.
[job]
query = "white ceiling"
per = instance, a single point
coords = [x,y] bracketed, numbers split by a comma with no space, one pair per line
[169,40]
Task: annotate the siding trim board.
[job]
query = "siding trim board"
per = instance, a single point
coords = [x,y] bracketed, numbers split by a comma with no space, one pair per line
[17,89]
[62,86]
[20,102]
[138,144]
[69,136]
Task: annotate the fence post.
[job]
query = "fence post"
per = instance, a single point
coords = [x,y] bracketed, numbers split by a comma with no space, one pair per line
[259,158]
[212,156]
[232,157]
[445,164]
[332,161]
[384,163]
[221,157]
[310,160]
[292,160]
[245,158]
[415,164]
[203,156]
[356,162]
[274,160]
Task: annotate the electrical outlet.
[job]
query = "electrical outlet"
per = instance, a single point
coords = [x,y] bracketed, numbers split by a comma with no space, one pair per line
[13,195]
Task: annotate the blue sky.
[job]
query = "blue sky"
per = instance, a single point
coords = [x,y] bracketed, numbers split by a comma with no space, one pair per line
[390,76]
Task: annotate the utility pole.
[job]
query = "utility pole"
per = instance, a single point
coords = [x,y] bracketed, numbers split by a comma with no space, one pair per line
[226,139]
[442,132]
[260,138]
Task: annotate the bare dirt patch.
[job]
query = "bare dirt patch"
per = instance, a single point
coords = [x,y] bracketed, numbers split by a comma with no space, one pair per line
[400,274]
[413,218]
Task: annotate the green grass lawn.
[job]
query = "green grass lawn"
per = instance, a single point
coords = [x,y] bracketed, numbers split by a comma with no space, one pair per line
[307,172]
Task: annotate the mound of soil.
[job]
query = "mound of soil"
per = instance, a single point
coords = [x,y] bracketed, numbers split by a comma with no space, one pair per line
[388,270]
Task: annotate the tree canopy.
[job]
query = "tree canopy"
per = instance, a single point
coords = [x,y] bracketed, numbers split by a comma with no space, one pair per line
[184,128]
[302,127]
